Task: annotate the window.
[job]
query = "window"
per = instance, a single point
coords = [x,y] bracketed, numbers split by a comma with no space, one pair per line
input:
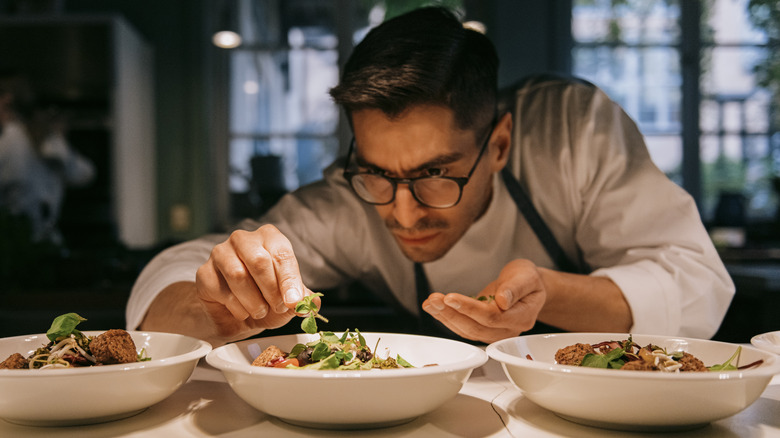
[633,50]
[283,125]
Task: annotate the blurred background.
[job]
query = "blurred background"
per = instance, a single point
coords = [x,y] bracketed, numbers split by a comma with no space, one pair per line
[189,132]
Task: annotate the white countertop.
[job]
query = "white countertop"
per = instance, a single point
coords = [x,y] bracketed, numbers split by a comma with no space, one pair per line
[487,406]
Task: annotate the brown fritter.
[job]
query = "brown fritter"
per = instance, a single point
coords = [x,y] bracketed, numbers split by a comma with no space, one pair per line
[113,346]
[14,362]
[268,355]
[692,363]
[573,354]
[639,365]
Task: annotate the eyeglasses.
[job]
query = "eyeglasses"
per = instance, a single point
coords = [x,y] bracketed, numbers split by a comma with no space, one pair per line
[430,191]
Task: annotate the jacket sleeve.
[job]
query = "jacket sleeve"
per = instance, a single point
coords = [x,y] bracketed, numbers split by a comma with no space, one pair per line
[615,211]
[317,220]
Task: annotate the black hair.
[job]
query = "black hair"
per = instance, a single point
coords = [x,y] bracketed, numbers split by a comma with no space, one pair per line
[425,56]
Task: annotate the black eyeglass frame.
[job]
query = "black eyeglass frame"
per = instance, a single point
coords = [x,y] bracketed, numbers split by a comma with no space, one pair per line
[461,181]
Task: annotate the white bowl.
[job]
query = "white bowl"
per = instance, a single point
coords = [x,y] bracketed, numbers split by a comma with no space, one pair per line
[339,399]
[767,341]
[84,395]
[634,400]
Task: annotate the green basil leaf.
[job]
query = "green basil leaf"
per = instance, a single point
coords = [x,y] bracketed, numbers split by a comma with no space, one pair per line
[609,360]
[63,326]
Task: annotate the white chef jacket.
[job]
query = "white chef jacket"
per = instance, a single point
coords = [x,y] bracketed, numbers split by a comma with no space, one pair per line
[587,170]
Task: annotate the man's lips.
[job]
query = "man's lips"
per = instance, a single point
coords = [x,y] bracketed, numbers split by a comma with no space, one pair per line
[416,240]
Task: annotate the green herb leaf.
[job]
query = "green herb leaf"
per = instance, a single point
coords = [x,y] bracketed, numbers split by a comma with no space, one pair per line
[330,338]
[296,350]
[309,311]
[309,325]
[142,357]
[609,360]
[727,366]
[361,339]
[401,361]
[63,326]
[321,351]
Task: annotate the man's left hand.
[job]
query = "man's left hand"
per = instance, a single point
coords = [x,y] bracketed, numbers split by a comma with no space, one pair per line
[512,304]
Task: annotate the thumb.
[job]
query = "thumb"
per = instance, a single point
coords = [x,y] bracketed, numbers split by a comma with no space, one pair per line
[505,298]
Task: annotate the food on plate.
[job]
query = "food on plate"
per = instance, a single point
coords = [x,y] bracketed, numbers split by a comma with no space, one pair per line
[330,352]
[628,355]
[69,347]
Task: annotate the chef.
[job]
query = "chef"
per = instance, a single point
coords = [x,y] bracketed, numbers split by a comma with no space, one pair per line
[478,222]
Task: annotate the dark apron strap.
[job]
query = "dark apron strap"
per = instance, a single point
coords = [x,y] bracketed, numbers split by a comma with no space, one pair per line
[536,222]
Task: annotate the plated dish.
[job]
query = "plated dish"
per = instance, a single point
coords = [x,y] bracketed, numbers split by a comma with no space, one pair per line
[93,394]
[767,341]
[350,399]
[631,399]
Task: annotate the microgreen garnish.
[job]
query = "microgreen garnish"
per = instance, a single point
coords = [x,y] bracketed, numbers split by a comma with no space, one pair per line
[401,361]
[727,366]
[310,313]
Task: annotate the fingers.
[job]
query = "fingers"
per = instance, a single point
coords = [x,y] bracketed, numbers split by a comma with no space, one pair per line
[518,298]
[517,280]
[252,274]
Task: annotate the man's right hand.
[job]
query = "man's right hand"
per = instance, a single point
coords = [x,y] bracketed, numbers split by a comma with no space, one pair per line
[250,282]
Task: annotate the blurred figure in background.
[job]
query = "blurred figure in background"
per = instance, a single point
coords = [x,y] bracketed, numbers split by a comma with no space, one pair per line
[36,166]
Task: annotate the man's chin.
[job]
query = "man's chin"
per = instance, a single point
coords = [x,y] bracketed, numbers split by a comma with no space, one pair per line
[421,254]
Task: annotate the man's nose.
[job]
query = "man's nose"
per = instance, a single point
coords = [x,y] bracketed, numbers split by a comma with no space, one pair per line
[406,210]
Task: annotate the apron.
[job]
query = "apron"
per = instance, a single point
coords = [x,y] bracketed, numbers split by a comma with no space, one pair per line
[428,325]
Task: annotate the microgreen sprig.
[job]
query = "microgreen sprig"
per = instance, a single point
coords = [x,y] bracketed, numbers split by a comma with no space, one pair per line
[310,313]
[727,366]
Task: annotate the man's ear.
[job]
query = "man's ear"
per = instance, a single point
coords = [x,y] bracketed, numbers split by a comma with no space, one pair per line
[501,142]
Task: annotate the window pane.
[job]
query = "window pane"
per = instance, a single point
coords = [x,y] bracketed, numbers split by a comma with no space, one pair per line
[283,92]
[277,23]
[727,22]
[666,152]
[646,82]
[631,21]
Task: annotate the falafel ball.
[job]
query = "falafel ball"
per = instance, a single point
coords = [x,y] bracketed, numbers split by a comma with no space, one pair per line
[691,363]
[113,346]
[573,354]
[14,362]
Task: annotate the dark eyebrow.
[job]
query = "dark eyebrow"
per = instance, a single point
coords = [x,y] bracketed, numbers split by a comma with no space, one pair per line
[439,161]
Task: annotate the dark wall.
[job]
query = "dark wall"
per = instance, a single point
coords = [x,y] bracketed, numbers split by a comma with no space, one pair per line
[177,30]
[530,36]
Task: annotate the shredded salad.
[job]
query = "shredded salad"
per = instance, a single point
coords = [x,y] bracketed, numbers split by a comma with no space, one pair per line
[330,352]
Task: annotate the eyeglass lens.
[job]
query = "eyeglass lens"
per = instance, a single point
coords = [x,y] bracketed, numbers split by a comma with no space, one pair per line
[433,192]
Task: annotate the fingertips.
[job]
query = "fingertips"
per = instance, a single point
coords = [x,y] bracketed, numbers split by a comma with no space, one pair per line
[292,293]
[505,299]
[434,304]
[452,301]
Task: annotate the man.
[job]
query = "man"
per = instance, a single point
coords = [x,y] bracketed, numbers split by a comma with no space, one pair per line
[422,204]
